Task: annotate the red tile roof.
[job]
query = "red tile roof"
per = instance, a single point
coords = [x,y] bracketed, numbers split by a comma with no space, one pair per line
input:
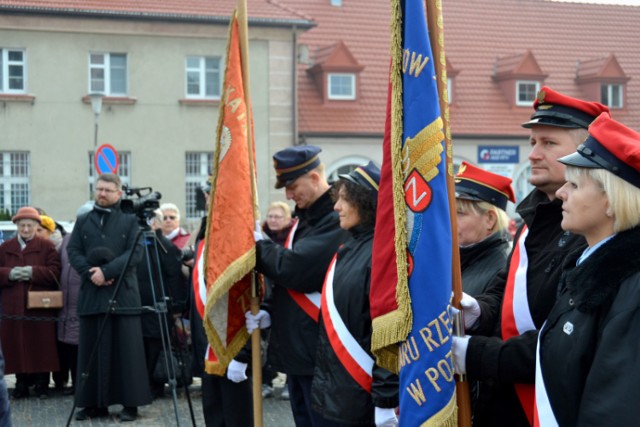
[477,33]
[260,11]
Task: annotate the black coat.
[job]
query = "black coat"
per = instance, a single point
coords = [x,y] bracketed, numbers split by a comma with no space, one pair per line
[108,246]
[501,364]
[590,345]
[292,344]
[481,262]
[335,394]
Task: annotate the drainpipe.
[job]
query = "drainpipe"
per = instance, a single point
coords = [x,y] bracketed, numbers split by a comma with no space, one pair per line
[294,88]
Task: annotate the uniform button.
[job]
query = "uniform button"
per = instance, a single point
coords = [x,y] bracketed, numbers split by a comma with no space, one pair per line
[571,302]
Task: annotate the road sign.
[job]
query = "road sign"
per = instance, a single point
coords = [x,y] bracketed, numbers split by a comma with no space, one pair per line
[106,159]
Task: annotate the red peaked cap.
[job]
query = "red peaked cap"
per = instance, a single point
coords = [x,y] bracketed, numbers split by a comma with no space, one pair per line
[611,146]
[473,183]
[555,109]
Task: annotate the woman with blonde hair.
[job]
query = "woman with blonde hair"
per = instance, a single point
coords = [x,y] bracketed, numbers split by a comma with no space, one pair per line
[481,200]
[588,349]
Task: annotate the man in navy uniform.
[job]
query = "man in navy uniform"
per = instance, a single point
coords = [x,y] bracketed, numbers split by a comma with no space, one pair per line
[298,271]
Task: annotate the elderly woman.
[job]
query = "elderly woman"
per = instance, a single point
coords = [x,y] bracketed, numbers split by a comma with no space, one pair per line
[589,347]
[481,200]
[342,393]
[278,223]
[28,262]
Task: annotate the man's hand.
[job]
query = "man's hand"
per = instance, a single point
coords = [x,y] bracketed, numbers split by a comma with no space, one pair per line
[97,277]
[257,232]
[237,371]
[459,350]
[385,417]
[470,309]
[261,320]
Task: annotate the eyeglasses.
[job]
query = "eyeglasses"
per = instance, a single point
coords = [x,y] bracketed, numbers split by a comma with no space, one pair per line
[105,190]
[171,217]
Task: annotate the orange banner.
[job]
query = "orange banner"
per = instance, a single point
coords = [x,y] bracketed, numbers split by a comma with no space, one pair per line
[229,245]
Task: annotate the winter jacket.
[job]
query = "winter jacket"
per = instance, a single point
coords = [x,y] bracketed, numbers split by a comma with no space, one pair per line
[501,364]
[29,346]
[481,262]
[590,344]
[68,325]
[111,246]
[292,344]
[334,392]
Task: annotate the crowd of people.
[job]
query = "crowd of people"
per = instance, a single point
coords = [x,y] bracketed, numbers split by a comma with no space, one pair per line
[549,315]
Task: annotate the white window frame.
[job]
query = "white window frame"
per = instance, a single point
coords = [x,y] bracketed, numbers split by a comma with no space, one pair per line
[198,167]
[108,69]
[520,103]
[124,170]
[344,166]
[5,64]
[15,180]
[608,101]
[339,96]
[202,71]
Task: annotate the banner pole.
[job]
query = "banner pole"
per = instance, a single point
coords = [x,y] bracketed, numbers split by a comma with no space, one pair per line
[436,36]
[256,365]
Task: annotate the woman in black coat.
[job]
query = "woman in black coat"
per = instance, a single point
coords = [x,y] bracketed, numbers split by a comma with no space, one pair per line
[481,200]
[588,350]
[348,388]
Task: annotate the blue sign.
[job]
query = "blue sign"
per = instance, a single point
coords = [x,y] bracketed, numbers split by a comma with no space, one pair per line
[106,159]
[498,154]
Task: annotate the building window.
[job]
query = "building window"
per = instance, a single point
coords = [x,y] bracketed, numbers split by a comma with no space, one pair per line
[13,66]
[344,166]
[203,77]
[15,175]
[197,170]
[449,90]
[108,73]
[611,95]
[342,86]
[526,93]
[124,170]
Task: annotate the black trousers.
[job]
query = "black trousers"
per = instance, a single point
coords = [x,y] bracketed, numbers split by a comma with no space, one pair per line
[225,403]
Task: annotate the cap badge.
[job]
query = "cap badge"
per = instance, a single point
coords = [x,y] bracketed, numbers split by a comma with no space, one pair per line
[541,96]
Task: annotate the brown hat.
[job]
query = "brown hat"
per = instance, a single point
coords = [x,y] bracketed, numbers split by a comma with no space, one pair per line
[26,212]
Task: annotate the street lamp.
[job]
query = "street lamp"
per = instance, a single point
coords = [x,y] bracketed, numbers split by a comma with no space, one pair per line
[96,105]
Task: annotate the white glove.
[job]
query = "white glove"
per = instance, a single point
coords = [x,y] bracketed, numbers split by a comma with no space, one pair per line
[21,274]
[261,320]
[471,310]
[257,232]
[237,371]
[459,350]
[385,417]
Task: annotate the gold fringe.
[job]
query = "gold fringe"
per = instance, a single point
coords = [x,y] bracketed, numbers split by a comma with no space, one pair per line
[395,326]
[447,417]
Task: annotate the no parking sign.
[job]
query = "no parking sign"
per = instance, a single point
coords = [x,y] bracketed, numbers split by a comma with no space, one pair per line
[106,159]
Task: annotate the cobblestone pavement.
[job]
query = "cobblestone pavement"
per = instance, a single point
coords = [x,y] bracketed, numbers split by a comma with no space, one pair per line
[55,410]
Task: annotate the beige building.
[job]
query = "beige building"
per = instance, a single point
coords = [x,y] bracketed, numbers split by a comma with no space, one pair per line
[161,76]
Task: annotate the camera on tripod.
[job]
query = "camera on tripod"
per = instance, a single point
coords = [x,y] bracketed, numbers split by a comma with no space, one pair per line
[142,205]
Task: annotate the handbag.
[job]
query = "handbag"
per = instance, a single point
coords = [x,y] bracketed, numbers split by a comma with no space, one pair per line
[45,299]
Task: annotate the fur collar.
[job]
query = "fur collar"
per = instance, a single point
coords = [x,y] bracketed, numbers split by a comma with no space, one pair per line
[597,280]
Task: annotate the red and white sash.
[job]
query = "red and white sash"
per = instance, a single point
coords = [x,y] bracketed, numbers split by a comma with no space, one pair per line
[309,303]
[543,415]
[516,317]
[352,356]
[199,281]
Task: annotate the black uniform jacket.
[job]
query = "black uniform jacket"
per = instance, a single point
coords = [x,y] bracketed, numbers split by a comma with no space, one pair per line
[335,394]
[501,364]
[292,344]
[107,240]
[481,262]
[590,345]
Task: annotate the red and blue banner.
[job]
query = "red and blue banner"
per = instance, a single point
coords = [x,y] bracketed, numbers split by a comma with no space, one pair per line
[418,318]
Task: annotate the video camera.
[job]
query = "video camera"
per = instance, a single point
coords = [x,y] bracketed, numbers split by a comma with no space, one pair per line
[144,205]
